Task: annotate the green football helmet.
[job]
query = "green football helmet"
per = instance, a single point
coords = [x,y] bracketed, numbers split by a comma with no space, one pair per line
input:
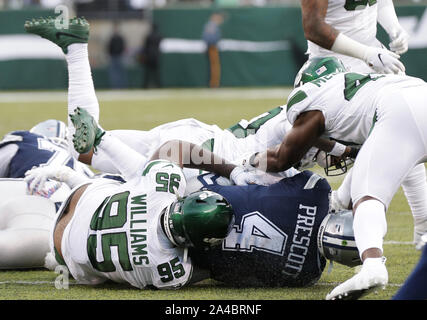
[201,220]
[316,68]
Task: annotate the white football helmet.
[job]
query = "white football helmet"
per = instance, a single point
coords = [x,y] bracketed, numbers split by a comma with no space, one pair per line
[335,239]
[51,128]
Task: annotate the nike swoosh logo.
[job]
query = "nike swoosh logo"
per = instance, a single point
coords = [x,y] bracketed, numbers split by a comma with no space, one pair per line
[59,34]
[379,57]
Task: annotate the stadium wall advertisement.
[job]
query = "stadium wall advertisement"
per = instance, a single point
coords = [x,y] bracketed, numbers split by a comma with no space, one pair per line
[260,46]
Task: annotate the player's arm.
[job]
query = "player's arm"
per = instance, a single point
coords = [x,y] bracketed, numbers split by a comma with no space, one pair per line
[314,25]
[305,132]
[387,18]
[324,35]
[192,156]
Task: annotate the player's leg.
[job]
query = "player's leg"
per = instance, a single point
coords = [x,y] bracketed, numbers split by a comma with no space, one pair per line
[74,43]
[415,189]
[23,248]
[377,174]
[25,223]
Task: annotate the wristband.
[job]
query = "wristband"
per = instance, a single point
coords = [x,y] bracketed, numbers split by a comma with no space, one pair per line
[349,47]
[338,150]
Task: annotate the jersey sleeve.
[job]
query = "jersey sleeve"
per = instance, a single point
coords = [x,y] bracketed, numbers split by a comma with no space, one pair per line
[165,176]
[300,100]
[173,270]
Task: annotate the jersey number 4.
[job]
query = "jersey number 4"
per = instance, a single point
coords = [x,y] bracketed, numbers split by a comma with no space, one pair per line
[256,232]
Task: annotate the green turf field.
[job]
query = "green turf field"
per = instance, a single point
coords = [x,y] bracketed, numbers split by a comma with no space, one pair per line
[146,109]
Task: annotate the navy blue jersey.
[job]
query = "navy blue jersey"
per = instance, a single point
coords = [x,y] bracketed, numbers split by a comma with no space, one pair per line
[34,150]
[274,239]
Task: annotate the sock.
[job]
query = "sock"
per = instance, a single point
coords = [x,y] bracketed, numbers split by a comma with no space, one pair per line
[81,91]
[415,189]
[369,225]
[125,159]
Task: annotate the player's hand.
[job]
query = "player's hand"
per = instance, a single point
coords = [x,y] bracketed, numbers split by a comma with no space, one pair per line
[37,177]
[241,177]
[384,61]
[39,181]
[399,41]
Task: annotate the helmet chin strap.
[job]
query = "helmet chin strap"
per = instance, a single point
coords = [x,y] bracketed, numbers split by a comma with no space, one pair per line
[175,191]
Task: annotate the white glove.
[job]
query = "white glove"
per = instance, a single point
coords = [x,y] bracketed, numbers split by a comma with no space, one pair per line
[242,177]
[399,41]
[383,60]
[37,178]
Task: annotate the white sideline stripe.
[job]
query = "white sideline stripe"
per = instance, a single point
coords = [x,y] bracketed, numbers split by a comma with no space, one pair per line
[177,45]
[15,47]
[28,46]
[131,95]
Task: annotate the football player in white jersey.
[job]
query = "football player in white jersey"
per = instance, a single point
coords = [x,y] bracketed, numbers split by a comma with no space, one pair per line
[347,29]
[135,232]
[385,113]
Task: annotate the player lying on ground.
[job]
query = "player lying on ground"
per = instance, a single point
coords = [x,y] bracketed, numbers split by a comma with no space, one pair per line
[284,245]
[25,219]
[146,219]
[264,131]
[382,112]
[44,144]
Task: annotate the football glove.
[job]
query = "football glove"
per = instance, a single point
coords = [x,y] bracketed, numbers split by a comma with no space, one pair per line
[241,176]
[399,41]
[37,178]
[383,60]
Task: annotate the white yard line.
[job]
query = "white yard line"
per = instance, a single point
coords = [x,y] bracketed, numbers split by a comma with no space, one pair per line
[131,95]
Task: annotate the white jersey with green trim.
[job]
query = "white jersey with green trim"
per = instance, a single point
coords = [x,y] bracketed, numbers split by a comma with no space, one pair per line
[355,19]
[115,232]
[348,101]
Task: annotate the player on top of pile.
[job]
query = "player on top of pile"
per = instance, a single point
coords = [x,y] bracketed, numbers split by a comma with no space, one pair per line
[347,29]
[385,113]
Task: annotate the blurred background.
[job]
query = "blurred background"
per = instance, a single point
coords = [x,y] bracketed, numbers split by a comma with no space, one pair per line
[178,43]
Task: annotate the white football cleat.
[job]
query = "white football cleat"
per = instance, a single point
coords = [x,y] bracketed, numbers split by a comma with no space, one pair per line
[372,275]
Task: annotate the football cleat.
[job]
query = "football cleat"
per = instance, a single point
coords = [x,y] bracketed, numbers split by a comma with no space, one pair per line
[76,32]
[88,135]
[372,276]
